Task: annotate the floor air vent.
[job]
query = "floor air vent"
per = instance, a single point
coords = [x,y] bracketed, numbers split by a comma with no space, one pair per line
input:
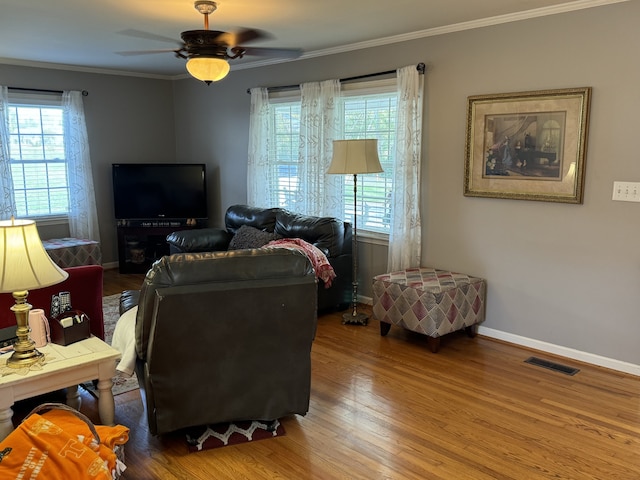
[557,367]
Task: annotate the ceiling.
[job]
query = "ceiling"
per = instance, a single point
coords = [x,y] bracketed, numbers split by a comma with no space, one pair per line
[87,34]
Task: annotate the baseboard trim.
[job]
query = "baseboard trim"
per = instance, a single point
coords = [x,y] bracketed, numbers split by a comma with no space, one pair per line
[585,357]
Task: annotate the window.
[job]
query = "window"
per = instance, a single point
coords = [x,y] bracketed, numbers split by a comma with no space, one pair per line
[371,116]
[285,153]
[36,149]
[367,110]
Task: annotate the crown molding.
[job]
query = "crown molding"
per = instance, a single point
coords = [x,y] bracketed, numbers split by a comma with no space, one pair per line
[430,32]
[78,68]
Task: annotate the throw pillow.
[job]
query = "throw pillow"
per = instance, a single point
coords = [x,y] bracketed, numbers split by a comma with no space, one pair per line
[251,237]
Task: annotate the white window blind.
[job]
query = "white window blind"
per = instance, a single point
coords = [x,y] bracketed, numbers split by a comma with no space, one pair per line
[285,181]
[371,116]
[367,110]
[36,149]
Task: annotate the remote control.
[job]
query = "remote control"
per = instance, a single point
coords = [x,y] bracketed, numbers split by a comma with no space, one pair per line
[55,305]
[65,301]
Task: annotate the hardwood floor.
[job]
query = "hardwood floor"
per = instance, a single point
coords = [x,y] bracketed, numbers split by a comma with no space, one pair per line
[388,408]
[114,282]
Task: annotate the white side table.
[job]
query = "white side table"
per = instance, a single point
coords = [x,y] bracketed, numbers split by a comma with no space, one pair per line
[65,367]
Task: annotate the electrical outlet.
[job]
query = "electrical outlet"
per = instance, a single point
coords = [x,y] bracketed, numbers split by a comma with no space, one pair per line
[626,191]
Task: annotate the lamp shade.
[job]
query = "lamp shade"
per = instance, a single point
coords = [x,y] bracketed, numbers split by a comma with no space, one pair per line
[208,69]
[355,156]
[24,263]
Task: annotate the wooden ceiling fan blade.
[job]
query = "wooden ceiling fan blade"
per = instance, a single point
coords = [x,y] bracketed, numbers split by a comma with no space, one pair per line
[131,53]
[273,52]
[148,36]
[245,35]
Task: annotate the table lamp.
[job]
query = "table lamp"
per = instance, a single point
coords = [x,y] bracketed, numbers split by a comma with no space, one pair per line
[354,157]
[24,265]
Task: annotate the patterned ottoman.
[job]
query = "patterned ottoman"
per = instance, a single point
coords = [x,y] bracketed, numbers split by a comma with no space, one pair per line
[72,252]
[429,301]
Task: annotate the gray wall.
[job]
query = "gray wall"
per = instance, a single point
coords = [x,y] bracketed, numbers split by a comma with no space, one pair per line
[129,119]
[558,274]
[562,274]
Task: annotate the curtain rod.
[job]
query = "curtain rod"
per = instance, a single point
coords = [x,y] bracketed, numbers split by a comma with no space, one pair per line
[420,67]
[42,90]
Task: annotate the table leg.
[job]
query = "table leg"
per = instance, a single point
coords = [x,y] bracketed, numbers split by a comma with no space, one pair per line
[106,404]
[384,328]
[6,424]
[74,400]
[434,344]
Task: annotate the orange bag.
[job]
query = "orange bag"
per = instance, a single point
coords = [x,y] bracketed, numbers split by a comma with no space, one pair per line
[61,444]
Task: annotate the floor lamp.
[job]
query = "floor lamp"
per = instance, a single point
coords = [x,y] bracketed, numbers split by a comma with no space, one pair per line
[24,265]
[354,157]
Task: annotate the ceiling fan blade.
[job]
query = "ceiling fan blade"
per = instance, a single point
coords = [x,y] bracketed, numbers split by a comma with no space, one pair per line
[273,52]
[131,53]
[149,36]
[233,39]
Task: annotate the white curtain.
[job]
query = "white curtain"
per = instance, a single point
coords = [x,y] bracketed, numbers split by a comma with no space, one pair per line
[258,171]
[83,216]
[7,198]
[405,236]
[318,193]
[319,127]
[322,194]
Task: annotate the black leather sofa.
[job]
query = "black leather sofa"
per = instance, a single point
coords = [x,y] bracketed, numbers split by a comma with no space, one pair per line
[331,235]
[224,336]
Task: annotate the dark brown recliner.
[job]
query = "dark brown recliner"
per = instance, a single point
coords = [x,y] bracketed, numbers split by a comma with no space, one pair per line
[225,336]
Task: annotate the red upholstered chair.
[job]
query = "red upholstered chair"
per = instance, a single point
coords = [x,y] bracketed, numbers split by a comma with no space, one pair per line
[85,286]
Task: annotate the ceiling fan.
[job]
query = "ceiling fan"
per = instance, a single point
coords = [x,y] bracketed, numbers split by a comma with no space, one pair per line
[207,51]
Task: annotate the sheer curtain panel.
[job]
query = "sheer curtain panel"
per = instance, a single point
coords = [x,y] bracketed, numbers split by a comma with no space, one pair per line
[83,216]
[258,168]
[405,241]
[319,193]
[7,199]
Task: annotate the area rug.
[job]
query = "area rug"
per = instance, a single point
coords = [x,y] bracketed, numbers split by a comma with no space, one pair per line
[111,313]
[224,434]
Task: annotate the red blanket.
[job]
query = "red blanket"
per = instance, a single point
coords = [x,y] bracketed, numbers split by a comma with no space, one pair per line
[324,270]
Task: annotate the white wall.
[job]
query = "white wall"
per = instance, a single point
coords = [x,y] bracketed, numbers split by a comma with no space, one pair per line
[566,275]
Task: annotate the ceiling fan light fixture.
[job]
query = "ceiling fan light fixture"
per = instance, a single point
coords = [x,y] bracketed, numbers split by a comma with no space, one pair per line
[207,51]
[205,7]
[208,69]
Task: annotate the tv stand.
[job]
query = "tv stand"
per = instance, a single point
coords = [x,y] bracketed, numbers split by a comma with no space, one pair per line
[142,242]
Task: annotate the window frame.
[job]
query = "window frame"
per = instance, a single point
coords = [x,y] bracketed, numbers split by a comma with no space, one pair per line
[279,101]
[40,100]
[349,89]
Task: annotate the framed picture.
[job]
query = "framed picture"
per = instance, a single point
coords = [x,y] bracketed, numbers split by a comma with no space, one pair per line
[528,145]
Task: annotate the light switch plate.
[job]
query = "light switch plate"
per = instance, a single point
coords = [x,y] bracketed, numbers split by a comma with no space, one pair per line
[626,191]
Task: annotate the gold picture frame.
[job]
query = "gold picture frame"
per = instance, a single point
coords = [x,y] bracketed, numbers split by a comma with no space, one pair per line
[528,145]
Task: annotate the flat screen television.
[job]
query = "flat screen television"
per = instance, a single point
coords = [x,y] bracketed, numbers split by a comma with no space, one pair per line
[159,191]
